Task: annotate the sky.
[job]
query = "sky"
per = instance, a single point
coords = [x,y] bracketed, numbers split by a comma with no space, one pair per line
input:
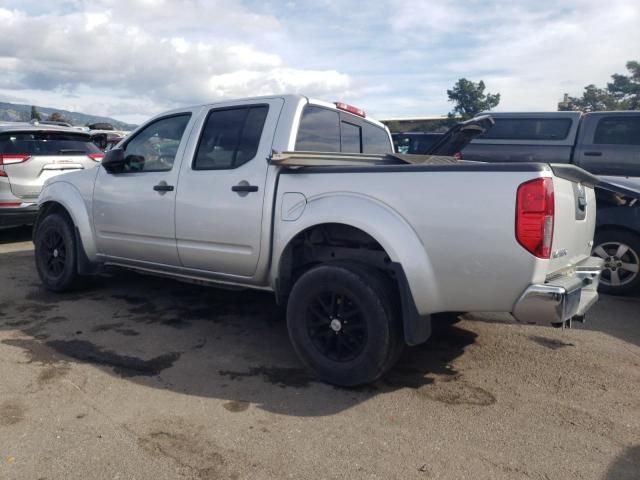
[131,59]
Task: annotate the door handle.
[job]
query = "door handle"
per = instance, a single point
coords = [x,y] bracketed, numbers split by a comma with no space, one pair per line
[163,187]
[244,188]
[592,154]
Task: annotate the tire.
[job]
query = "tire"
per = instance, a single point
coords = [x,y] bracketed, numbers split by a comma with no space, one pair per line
[322,303]
[55,253]
[387,291]
[621,251]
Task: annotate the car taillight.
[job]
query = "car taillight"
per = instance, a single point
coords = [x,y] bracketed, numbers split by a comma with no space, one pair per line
[457,155]
[96,157]
[350,108]
[535,210]
[9,158]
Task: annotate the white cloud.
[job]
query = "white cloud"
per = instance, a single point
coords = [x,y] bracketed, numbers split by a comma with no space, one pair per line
[134,58]
[131,57]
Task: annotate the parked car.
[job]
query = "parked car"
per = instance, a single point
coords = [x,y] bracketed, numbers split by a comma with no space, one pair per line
[307,199]
[604,143]
[617,238]
[31,154]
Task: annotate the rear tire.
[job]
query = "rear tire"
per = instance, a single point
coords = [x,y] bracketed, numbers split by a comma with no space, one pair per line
[343,324]
[620,250]
[55,253]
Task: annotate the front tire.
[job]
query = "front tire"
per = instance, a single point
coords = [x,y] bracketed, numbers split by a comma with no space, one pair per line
[55,253]
[621,252]
[342,325]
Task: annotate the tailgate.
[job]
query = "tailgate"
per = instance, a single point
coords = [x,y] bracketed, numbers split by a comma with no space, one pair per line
[575,217]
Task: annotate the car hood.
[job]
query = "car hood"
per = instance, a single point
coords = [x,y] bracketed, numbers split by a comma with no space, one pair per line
[460,135]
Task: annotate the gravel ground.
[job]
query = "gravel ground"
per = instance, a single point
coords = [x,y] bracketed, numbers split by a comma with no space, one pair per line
[134,377]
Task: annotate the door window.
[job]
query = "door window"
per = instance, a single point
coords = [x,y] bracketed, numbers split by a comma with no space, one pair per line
[230,137]
[154,148]
[618,130]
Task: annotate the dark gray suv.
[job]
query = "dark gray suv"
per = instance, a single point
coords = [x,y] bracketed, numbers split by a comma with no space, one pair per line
[32,153]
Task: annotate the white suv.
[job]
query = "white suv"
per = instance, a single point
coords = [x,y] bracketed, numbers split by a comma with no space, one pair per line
[29,155]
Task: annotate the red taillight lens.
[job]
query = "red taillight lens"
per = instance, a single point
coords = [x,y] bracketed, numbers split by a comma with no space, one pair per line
[535,209]
[350,108]
[457,155]
[9,158]
[96,157]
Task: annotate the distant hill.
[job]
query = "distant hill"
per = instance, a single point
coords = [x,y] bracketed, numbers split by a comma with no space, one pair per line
[15,112]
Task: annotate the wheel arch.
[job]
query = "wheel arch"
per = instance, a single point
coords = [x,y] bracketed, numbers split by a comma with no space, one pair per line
[64,197]
[403,252]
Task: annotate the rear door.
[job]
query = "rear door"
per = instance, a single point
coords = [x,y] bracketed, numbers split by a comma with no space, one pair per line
[221,190]
[31,157]
[609,144]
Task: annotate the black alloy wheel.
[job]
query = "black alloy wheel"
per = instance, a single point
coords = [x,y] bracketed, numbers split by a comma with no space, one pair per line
[336,326]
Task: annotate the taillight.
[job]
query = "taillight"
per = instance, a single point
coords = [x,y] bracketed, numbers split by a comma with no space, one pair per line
[9,158]
[96,157]
[457,155]
[350,108]
[535,209]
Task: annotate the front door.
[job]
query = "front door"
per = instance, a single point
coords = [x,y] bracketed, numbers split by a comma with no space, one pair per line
[134,210]
[221,189]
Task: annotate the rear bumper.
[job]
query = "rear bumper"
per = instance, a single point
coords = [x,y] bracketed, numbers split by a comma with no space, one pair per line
[562,298]
[16,216]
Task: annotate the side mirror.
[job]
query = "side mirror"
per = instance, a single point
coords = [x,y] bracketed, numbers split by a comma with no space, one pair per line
[114,160]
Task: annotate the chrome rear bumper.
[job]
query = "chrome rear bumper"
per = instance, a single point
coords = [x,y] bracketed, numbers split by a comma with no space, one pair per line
[562,298]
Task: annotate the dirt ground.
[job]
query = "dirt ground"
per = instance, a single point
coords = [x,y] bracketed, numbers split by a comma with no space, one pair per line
[135,377]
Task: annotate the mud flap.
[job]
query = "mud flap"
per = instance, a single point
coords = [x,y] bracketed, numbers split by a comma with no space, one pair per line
[417,328]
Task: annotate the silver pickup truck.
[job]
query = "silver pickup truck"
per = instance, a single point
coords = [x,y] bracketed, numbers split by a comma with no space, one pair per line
[306,199]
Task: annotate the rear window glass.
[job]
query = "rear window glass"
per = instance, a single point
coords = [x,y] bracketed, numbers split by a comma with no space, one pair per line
[375,139]
[351,140]
[46,143]
[618,131]
[230,137]
[528,129]
[319,130]
[325,130]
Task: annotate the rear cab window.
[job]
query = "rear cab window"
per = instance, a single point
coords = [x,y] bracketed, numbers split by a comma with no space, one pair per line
[618,130]
[535,129]
[323,129]
[47,143]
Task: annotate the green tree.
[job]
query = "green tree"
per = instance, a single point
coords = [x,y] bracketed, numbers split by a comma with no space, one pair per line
[593,99]
[57,117]
[623,93]
[35,115]
[626,88]
[470,99]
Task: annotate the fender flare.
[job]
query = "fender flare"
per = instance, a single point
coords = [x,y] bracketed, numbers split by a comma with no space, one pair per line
[409,257]
[69,197]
